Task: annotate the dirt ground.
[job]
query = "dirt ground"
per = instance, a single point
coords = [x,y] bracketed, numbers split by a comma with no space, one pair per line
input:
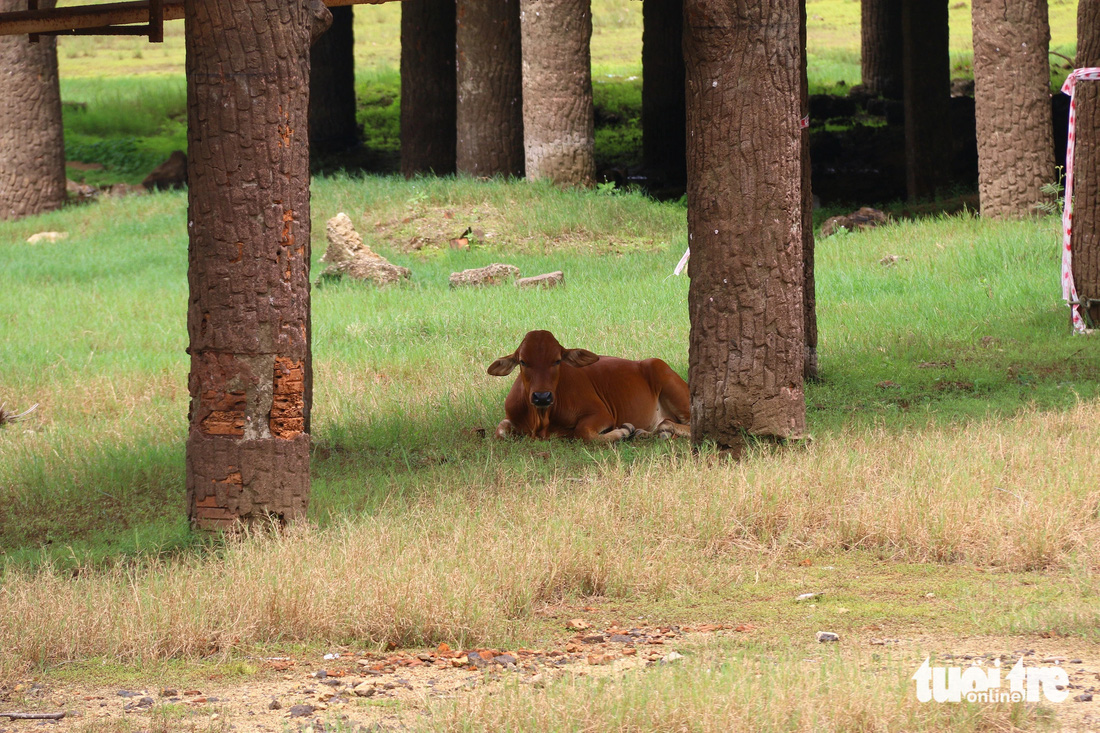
[391,691]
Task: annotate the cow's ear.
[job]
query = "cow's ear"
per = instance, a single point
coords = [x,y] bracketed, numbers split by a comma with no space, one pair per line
[503,366]
[579,357]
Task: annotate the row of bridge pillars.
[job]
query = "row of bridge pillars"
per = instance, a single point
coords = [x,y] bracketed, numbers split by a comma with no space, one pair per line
[480,105]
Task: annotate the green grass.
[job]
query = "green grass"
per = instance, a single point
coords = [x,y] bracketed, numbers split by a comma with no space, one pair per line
[127,125]
[966,325]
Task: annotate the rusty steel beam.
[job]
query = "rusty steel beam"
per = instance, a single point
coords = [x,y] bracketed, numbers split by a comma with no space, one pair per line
[101,18]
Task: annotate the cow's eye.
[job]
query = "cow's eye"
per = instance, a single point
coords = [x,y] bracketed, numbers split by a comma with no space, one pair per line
[557,362]
[522,363]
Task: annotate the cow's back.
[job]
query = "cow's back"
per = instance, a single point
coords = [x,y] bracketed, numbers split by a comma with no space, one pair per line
[628,389]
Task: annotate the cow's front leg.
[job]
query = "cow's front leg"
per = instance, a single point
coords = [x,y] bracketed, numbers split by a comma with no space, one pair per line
[666,429]
[505,429]
[601,429]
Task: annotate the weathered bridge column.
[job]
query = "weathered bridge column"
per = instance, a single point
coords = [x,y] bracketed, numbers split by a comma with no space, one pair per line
[744,193]
[32,146]
[248,227]
[559,138]
[927,90]
[489,114]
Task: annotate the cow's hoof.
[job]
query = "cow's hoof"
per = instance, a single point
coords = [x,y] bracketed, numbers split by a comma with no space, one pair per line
[630,430]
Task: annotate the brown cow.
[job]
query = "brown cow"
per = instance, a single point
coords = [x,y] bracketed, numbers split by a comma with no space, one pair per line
[575,393]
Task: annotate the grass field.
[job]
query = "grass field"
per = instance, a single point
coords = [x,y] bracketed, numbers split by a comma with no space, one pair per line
[947,446]
[947,500]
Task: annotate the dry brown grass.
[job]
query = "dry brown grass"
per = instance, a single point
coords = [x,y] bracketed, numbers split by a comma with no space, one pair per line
[469,563]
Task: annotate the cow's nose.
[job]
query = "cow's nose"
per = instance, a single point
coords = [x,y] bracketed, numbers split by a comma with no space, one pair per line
[542,399]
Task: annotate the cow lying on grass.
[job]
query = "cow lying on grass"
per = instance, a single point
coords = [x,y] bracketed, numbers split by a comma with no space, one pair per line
[574,393]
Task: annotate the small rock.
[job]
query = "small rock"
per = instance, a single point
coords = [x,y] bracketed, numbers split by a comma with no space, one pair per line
[300,711]
[495,274]
[671,657]
[548,280]
[1084,697]
[124,189]
[331,656]
[121,693]
[504,659]
[865,218]
[47,237]
[577,624]
[145,702]
[825,636]
[477,660]
[621,639]
[168,692]
[379,273]
[274,705]
[597,659]
[81,190]
[347,255]
[807,596]
[594,639]
[364,689]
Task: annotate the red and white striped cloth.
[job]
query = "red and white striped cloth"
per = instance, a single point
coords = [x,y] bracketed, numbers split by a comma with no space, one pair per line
[1069,292]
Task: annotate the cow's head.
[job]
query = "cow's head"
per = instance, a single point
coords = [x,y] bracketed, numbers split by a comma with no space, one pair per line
[539,358]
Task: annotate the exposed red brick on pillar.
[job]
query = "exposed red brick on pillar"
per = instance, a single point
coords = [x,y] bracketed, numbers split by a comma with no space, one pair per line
[288,405]
[248,227]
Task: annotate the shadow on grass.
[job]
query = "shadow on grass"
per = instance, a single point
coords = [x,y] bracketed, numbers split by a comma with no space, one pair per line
[125,502]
